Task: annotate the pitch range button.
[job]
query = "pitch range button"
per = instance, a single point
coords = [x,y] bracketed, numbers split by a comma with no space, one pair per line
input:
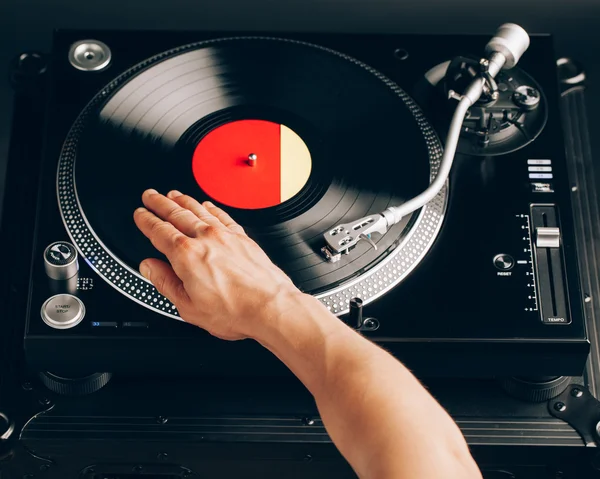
[60,260]
[504,262]
[63,311]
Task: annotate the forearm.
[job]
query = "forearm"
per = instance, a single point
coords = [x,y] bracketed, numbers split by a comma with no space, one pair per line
[382,420]
[378,415]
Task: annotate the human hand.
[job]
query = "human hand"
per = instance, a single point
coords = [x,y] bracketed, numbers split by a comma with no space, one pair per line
[218,278]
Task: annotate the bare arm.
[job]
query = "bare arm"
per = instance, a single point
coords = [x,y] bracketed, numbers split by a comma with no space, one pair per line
[381,419]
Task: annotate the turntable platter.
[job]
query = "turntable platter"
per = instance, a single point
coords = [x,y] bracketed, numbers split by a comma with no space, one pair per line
[290,138]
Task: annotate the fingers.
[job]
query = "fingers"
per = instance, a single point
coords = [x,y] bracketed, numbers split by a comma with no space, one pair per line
[164,236]
[181,218]
[207,212]
[164,279]
[178,213]
[196,208]
[223,217]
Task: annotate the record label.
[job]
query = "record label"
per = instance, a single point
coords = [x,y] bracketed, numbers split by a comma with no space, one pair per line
[251,164]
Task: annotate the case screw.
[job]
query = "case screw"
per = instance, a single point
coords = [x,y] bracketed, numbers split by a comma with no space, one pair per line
[400,54]
[560,407]
[162,420]
[370,324]
[576,392]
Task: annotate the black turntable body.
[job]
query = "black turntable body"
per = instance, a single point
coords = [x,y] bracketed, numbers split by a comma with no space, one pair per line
[483,281]
[485,290]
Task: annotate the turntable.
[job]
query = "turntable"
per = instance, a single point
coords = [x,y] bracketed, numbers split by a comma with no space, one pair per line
[336,154]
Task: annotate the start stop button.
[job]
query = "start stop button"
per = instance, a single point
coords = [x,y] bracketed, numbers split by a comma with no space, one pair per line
[63,311]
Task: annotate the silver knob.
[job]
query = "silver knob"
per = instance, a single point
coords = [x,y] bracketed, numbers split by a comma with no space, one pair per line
[511,41]
[504,261]
[60,260]
[547,237]
[89,55]
[527,97]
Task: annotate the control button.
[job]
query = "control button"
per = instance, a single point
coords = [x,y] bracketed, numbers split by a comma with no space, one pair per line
[135,324]
[60,260]
[542,188]
[63,311]
[547,237]
[539,162]
[504,262]
[540,176]
[105,324]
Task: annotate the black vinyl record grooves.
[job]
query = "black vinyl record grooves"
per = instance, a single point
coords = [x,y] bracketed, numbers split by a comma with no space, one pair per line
[370,148]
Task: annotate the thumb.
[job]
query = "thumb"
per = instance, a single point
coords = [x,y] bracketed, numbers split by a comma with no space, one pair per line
[164,279]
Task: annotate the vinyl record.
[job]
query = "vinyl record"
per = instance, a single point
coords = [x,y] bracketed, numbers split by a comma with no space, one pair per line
[289,138]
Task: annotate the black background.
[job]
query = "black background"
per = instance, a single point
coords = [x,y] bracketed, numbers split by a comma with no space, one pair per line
[27,25]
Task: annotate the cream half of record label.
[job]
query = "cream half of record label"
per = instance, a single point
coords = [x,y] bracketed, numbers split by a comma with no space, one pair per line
[251,164]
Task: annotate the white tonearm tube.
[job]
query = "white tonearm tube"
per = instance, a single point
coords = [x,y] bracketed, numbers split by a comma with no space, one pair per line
[503,51]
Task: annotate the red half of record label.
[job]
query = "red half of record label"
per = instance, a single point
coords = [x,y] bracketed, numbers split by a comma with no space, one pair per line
[251,164]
